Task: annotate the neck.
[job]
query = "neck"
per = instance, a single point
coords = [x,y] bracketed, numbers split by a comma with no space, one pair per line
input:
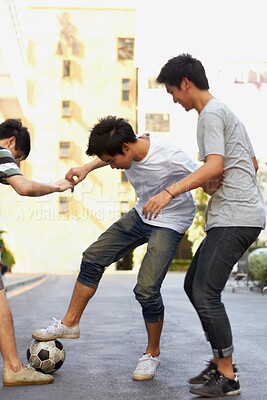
[202,98]
[140,148]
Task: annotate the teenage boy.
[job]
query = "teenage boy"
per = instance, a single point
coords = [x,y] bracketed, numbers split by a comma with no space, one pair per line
[14,146]
[150,164]
[235,213]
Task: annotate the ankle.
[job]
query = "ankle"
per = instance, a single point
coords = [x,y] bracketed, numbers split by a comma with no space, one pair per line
[155,353]
[69,323]
[13,367]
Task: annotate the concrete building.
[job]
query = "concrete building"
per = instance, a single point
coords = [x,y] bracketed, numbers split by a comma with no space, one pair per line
[75,64]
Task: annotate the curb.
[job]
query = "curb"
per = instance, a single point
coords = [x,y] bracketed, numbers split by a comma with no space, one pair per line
[15,285]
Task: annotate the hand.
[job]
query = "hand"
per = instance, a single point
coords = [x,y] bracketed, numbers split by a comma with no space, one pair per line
[65,184]
[155,204]
[213,185]
[79,172]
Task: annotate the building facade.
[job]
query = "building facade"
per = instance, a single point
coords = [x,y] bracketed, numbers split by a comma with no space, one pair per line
[78,66]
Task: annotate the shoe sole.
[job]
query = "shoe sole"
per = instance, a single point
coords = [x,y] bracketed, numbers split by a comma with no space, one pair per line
[201,394]
[22,383]
[142,377]
[46,339]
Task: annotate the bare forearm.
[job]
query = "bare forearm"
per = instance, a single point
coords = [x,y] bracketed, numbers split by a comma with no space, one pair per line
[208,172]
[36,189]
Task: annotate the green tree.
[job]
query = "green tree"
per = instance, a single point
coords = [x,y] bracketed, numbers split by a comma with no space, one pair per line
[7,256]
[196,232]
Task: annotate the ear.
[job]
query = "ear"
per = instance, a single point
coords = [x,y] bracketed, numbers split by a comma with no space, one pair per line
[186,84]
[125,147]
[11,142]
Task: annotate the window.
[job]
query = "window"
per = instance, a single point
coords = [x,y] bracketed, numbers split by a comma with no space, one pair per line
[64,149]
[157,122]
[66,108]
[125,49]
[152,83]
[63,205]
[123,177]
[66,68]
[125,89]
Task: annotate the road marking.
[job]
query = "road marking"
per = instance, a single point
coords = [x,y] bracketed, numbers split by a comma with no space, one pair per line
[25,288]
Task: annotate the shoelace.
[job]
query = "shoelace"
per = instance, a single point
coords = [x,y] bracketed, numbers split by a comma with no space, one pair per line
[145,365]
[28,366]
[217,378]
[56,323]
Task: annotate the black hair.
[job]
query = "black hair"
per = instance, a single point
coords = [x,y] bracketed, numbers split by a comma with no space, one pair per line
[183,66]
[14,127]
[109,135]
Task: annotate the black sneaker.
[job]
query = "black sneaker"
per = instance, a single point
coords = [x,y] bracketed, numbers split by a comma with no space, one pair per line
[218,386]
[207,373]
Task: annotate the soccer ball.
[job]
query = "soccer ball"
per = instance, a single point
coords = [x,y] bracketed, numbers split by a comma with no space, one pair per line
[46,357]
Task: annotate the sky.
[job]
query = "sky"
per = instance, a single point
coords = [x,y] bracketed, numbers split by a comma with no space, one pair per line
[224,35]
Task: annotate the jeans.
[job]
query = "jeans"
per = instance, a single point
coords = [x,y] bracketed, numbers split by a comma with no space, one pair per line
[207,276]
[123,236]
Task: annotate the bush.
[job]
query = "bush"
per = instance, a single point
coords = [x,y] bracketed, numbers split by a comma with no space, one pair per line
[179,265]
[257,263]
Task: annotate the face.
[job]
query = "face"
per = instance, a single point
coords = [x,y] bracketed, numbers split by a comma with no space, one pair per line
[180,96]
[119,161]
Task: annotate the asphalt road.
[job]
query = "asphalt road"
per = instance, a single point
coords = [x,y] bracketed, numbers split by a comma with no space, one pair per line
[99,365]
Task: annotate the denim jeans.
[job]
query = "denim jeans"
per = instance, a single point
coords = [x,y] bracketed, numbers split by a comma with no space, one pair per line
[207,276]
[123,236]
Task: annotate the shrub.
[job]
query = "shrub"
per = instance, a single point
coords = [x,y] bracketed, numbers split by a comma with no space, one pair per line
[179,265]
[257,261]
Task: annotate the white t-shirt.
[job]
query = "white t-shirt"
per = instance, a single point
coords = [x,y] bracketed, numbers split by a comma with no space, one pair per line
[163,165]
[238,202]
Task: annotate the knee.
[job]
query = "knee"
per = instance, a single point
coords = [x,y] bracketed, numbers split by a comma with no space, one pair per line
[145,294]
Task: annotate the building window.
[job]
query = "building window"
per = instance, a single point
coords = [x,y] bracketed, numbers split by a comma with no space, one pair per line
[125,49]
[66,68]
[125,89]
[123,177]
[64,149]
[66,108]
[63,205]
[152,83]
[157,122]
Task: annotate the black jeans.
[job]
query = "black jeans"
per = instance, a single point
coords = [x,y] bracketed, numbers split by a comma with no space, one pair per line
[207,276]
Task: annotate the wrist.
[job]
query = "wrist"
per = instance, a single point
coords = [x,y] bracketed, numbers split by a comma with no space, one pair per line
[172,195]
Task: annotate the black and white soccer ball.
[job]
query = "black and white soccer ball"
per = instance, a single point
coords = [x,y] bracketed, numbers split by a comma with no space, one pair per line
[46,357]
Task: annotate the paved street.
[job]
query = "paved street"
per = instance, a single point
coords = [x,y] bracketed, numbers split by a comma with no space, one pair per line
[99,365]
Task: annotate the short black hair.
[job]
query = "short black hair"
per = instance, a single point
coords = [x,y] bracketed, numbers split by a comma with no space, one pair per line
[13,127]
[183,66]
[109,135]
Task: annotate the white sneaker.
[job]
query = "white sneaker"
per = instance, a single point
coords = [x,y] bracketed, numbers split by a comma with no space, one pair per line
[55,331]
[146,368]
[26,376]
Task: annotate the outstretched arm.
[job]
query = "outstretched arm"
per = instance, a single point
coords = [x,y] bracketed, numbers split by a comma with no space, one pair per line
[212,168]
[81,172]
[26,187]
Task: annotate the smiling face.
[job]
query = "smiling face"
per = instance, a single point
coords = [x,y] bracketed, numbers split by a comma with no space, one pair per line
[182,95]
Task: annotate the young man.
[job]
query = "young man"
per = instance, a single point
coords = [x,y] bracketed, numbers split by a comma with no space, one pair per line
[235,214]
[151,164]
[15,145]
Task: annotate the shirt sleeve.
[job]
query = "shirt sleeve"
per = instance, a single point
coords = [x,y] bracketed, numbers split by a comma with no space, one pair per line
[210,135]
[8,166]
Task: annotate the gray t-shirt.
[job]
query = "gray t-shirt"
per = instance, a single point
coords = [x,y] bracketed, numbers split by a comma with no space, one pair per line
[238,202]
